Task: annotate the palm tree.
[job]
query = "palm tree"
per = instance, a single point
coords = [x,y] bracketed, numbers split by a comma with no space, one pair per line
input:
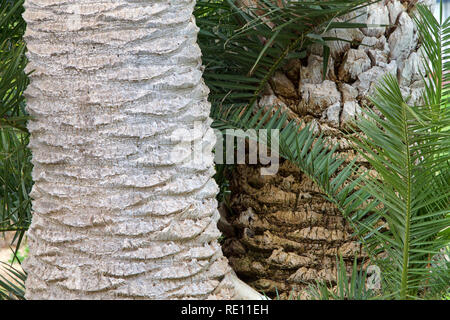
[120,209]
[286,231]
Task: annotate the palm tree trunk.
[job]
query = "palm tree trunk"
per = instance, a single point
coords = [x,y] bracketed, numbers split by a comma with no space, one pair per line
[120,208]
[286,233]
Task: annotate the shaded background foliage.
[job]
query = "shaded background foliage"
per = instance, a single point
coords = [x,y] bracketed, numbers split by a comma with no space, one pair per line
[15,165]
[15,157]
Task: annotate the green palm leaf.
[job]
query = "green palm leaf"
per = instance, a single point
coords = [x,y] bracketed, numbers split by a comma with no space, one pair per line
[409,148]
[15,164]
[12,283]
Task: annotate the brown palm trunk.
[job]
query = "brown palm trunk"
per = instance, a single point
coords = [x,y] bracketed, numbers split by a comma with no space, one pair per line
[286,233]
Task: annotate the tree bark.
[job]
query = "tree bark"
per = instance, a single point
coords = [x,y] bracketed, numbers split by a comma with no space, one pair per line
[120,209]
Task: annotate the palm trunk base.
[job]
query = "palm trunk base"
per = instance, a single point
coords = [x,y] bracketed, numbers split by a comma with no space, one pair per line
[286,234]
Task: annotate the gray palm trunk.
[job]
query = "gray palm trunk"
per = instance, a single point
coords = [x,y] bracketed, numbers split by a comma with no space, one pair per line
[121,209]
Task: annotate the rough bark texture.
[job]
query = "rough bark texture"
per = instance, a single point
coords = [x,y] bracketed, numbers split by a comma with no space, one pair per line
[115,216]
[286,234]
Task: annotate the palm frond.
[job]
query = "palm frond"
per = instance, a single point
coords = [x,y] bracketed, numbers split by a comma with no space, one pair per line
[13,79]
[12,284]
[409,147]
[408,158]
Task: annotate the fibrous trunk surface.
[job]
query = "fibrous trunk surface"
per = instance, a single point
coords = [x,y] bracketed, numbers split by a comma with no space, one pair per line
[121,210]
[286,235]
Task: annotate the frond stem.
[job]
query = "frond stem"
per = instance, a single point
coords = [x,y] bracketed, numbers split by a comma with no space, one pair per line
[406,240]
